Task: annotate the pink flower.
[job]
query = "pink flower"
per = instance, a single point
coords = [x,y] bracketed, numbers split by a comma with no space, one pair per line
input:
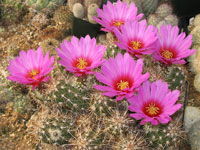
[122,76]
[137,38]
[81,56]
[172,47]
[154,103]
[31,68]
[114,15]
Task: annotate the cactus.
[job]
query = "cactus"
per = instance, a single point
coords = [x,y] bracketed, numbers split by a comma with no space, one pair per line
[153,19]
[44,5]
[164,10]
[100,104]
[78,10]
[117,121]
[172,19]
[164,136]
[88,133]
[11,11]
[130,141]
[197,82]
[49,45]
[57,131]
[70,3]
[195,35]
[92,13]
[176,77]
[87,3]
[15,93]
[110,40]
[112,52]
[149,6]
[138,4]
[68,98]
[39,21]
[63,18]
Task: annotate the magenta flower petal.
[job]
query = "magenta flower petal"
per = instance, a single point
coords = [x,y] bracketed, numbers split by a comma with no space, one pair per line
[137,38]
[81,56]
[173,47]
[31,67]
[154,103]
[115,15]
[121,75]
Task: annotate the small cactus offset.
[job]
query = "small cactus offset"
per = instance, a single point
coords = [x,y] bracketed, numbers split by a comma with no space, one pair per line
[57,131]
[78,10]
[176,77]
[164,10]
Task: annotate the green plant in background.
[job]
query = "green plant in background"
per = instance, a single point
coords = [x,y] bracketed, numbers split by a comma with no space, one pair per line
[11,11]
[44,5]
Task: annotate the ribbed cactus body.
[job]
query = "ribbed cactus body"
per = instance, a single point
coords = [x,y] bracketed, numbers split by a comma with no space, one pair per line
[176,77]
[149,6]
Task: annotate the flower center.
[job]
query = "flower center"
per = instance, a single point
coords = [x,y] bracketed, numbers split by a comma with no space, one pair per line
[152,109]
[117,23]
[81,63]
[136,44]
[167,54]
[33,73]
[122,85]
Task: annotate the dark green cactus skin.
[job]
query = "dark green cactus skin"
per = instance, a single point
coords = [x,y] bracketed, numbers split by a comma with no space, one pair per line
[112,52]
[57,131]
[175,78]
[71,98]
[163,136]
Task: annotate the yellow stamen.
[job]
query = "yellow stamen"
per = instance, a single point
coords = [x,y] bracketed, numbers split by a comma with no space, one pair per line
[81,63]
[136,44]
[117,23]
[167,54]
[122,85]
[152,109]
[33,73]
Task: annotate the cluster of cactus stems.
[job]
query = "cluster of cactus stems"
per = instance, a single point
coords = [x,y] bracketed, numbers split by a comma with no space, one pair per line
[83,117]
[93,121]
